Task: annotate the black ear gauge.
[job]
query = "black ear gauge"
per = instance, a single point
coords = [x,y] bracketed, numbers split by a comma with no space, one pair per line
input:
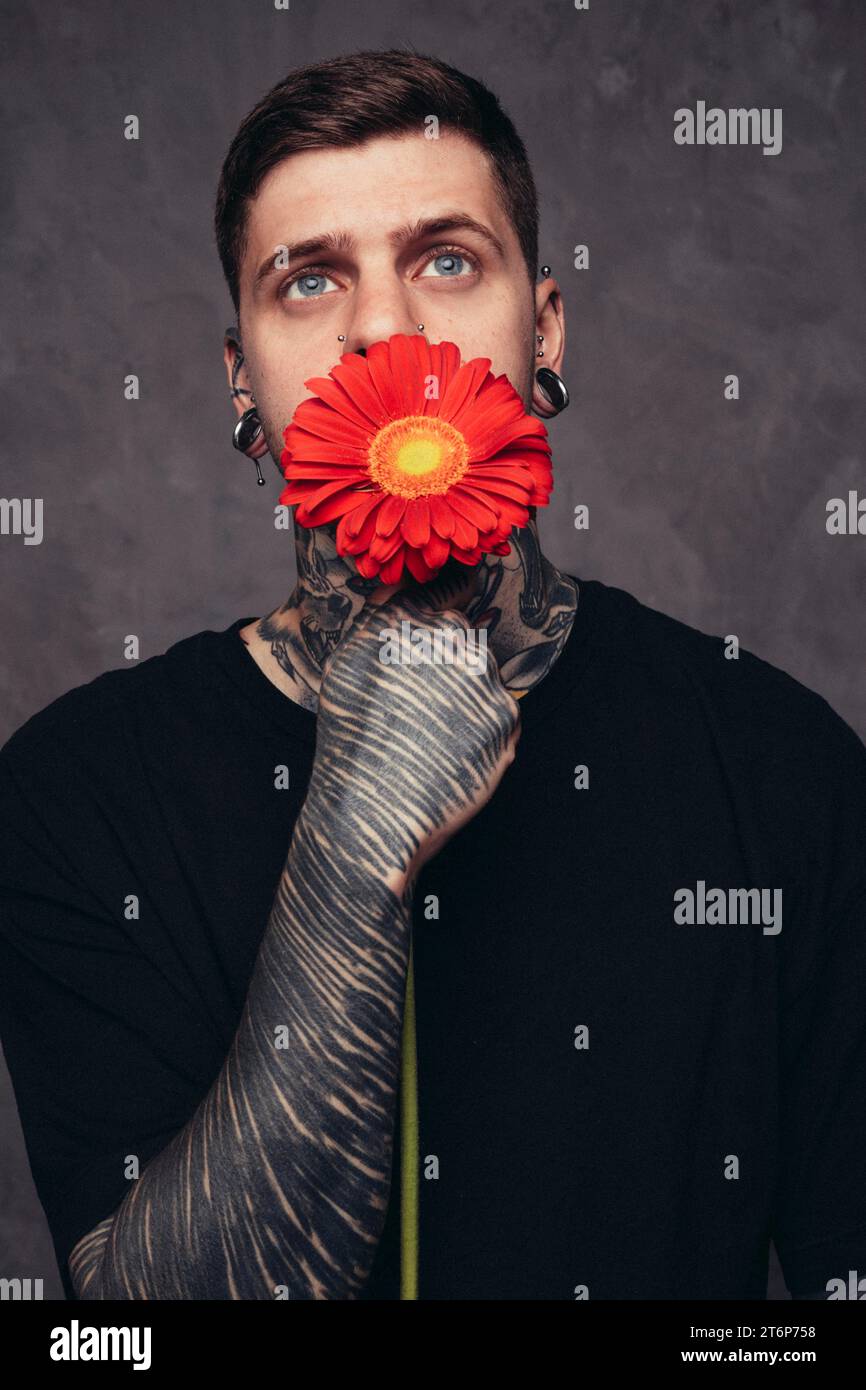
[553,387]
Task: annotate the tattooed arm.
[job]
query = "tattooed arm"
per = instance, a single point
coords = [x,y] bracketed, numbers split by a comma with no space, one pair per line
[281,1177]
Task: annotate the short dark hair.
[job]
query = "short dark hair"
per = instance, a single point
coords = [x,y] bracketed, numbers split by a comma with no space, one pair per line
[347,100]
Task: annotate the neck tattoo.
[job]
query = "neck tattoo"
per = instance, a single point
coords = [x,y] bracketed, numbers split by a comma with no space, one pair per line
[525,603]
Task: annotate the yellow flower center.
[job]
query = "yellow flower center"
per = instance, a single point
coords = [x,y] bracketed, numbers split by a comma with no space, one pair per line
[417,455]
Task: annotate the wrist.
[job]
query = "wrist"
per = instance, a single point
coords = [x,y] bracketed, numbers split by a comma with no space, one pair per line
[351,824]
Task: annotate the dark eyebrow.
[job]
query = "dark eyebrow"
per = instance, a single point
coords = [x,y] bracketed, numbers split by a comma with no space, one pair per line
[344,242]
[313,246]
[448,222]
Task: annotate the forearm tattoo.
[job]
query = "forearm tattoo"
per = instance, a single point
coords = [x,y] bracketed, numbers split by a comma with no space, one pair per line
[279,1183]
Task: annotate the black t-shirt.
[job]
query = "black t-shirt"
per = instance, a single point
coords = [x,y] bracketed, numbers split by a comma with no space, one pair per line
[611,1098]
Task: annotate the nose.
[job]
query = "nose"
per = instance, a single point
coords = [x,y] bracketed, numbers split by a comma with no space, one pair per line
[382,305]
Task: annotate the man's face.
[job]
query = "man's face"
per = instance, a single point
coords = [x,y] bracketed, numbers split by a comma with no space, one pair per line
[455,280]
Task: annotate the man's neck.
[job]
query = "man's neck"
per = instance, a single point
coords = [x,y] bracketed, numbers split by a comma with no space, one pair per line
[524,602]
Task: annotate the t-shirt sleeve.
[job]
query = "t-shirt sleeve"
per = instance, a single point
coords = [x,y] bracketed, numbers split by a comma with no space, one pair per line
[820,1217]
[105,1057]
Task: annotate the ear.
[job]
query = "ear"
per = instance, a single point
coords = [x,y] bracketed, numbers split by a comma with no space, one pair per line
[550,329]
[239,383]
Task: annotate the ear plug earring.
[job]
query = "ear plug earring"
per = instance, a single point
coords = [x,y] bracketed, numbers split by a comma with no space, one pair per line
[553,388]
[246,434]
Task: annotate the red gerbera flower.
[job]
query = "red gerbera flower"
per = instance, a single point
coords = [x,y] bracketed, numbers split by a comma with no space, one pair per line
[419,456]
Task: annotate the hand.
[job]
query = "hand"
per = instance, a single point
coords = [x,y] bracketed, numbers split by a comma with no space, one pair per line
[407,754]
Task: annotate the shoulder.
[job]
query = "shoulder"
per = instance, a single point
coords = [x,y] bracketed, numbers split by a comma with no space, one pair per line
[736,679]
[743,702]
[94,719]
[76,779]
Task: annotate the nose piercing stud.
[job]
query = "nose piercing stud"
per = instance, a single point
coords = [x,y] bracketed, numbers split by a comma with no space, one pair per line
[341,337]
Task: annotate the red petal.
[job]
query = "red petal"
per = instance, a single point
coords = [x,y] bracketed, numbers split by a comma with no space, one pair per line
[309,448]
[488,539]
[344,536]
[512,513]
[531,444]
[516,471]
[465,534]
[429,404]
[417,566]
[441,515]
[444,364]
[436,551]
[295,471]
[464,387]
[379,366]
[357,517]
[476,512]
[338,398]
[390,514]
[317,418]
[353,374]
[466,557]
[333,504]
[523,453]
[497,400]
[382,547]
[406,372]
[321,492]
[492,488]
[392,572]
[487,435]
[416,522]
[296,492]
[355,545]
[366,565]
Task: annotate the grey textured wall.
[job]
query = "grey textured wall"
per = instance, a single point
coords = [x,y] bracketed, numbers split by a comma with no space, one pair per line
[703,262]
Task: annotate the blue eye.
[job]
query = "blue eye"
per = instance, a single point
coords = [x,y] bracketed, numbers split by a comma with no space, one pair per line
[449,264]
[309,285]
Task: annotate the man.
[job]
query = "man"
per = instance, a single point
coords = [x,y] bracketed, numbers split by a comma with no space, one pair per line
[635,899]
